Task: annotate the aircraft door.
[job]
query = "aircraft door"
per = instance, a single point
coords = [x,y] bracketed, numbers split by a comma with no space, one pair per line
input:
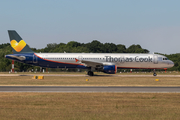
[80,58]
[35,59]
[155,59]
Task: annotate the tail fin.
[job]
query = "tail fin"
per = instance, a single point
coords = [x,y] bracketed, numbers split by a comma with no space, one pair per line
[17,43]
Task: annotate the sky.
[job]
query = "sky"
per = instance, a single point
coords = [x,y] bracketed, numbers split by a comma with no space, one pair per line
[153,24]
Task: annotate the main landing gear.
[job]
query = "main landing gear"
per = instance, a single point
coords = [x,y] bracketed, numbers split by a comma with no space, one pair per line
[154,74]
[90,73]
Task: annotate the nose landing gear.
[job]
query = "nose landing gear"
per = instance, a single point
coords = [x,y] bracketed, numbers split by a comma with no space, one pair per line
[165,69]
[154,74]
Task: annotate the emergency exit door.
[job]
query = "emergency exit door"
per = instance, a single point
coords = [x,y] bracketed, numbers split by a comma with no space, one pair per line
[155,59]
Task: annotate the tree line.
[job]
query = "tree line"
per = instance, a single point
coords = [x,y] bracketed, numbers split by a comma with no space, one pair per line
[75,47]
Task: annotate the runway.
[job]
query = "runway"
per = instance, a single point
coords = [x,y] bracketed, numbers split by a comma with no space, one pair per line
[90,89]
[84,75]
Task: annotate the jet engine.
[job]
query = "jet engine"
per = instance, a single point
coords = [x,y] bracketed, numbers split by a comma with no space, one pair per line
[109,69]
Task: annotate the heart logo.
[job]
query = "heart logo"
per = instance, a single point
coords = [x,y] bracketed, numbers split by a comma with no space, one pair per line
[18,46]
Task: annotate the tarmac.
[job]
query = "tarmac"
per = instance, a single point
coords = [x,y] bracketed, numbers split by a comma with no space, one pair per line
[83,75]
[119,89]
[80,89]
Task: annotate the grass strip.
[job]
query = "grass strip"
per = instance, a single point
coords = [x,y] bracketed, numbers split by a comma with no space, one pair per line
[88,106]
[93,81]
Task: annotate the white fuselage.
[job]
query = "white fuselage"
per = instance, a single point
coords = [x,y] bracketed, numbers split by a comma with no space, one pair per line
[132,61]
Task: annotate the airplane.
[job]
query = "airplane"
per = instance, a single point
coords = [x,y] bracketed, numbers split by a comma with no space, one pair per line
[104,62]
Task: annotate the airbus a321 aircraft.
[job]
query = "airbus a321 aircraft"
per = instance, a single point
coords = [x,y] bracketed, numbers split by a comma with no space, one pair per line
[105,62]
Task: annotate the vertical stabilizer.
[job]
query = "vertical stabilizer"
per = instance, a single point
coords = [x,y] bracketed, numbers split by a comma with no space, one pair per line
[18,44]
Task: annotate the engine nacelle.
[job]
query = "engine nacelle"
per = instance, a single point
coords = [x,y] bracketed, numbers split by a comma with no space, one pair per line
[110,69]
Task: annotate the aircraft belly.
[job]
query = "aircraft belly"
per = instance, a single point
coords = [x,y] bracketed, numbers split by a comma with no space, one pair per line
[145,65]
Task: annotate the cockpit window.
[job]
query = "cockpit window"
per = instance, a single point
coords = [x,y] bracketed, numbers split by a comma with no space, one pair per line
[165,59]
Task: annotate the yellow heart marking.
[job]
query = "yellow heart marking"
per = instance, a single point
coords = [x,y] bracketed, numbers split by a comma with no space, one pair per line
[18,46]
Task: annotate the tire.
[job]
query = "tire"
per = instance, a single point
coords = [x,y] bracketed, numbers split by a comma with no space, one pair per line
[90,73]
[154,74]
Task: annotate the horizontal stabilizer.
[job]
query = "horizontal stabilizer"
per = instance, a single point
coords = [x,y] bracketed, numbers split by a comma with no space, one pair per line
[17,57]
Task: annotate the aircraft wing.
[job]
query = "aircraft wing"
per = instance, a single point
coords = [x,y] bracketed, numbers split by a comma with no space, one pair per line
[91,63]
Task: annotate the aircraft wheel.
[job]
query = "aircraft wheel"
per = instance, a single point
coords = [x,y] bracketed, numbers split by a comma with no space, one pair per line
[154,74]
[90,73]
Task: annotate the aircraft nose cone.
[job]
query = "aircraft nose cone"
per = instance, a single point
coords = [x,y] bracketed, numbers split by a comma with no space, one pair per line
[171,63]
